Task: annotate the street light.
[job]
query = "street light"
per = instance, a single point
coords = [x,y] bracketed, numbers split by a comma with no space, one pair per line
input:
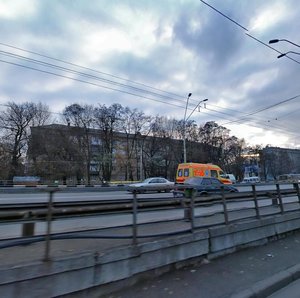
[185,120]
[206,99]
[184,127]
[289,52]
[286,40]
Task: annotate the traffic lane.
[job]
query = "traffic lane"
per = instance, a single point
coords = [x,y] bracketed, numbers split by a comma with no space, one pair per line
[259,186]
[81,195]
[76,196]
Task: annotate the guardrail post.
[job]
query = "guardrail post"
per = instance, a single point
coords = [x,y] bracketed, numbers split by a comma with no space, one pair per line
[49,221]
[255,201]
[192,210]
[189,206]
[28,227]
[224,206]
[273,198]
[134,219]
[187,211]
[279,198]
[296,186]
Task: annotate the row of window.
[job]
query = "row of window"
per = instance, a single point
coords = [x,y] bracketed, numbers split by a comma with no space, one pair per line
[186,173]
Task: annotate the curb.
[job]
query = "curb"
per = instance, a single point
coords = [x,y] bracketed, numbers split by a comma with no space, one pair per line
[270,285]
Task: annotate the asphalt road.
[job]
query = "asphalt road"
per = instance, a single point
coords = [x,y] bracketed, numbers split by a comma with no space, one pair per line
[81,194]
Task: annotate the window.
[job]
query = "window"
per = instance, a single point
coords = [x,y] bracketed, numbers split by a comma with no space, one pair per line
[95,141]
[186,173]
[180,173]
[214,173]
[155,181]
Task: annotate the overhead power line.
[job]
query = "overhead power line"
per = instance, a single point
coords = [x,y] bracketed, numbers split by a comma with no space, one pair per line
[46,64]
[224,15]
[259,41]
[90,83]
[50,65]
[107,81]
[88,68]
[114,89]
[244,28]
[268,46]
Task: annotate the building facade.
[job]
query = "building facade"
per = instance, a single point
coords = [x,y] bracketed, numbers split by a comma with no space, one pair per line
[275,161]
[74,155]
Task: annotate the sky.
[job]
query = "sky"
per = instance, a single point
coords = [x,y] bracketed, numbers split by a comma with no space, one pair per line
[150,55]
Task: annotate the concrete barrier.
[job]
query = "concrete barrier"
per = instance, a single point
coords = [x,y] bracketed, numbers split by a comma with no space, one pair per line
[93,274]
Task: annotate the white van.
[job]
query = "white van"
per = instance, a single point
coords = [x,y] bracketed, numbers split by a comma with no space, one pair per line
[251,180]
[231,177]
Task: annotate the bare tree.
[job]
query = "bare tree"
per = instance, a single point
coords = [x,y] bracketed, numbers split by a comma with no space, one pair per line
[15,124]
[107,120]
[55,153]
[82,117]
[162,149]
[133,124]
[214,139]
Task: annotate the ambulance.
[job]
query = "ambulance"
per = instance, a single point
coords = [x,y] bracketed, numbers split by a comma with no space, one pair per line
[191,169]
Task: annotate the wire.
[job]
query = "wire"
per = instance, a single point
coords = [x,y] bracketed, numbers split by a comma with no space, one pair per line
[110,81]
[76,72]
[114,89]
[87,68]
[90,83]
[263,43]
[225,16]
[85,75]
[251,121]
[265,108]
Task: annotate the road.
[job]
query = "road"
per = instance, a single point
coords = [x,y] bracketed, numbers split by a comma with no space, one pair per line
[81,194]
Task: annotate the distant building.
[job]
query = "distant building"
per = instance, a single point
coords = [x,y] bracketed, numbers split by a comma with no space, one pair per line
[74,155]
[275,161]
[251,164]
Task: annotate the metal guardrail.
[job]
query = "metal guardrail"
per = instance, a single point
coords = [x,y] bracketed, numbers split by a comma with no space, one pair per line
[47,212]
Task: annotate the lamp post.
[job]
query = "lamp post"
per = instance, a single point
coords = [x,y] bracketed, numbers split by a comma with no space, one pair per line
[184,127]
[286,40]
[185,120]
[289,52]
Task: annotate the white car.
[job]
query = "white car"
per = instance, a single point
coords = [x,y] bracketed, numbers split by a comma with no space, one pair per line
[231,177]
[251,180]
[152,184]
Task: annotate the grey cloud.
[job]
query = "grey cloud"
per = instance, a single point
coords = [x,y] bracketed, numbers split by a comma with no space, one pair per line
[223,57]
[215,39]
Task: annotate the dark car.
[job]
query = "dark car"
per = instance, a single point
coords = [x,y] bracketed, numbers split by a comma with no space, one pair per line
[202,186]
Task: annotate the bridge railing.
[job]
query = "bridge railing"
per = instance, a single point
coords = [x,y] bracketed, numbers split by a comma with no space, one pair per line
[258,204]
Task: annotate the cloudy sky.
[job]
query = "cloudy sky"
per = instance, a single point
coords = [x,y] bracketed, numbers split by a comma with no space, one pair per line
[150,55]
